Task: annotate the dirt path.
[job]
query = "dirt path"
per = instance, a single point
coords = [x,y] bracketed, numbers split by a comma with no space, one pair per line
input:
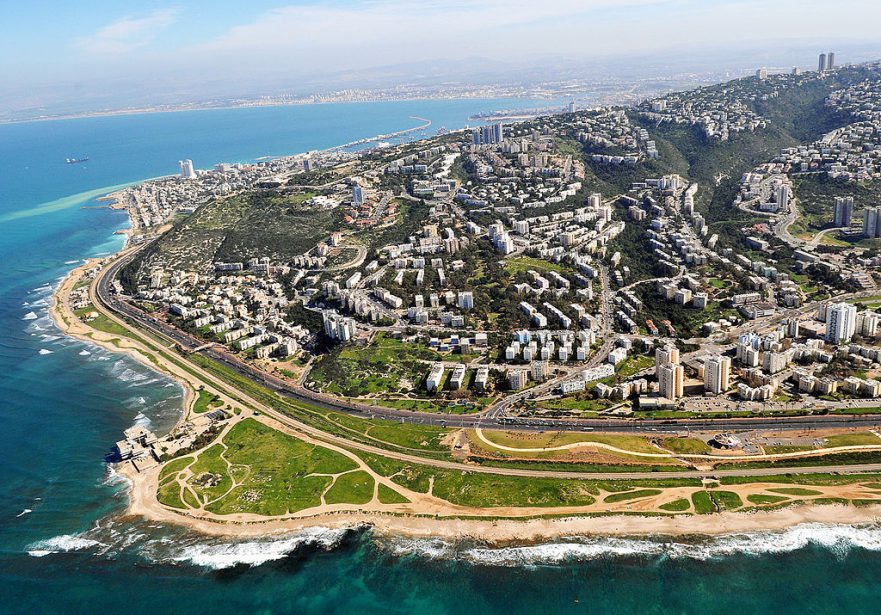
[608,447]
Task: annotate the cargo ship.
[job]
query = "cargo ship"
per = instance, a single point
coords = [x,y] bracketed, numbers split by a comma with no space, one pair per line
[76,160]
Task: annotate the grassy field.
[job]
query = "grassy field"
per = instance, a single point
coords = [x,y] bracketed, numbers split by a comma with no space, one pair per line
[473,489]
[631,495]
[522,264]
[390,496]
[352,488]
[725,500]
[101,322]
[386,365]
[516,439]
[633,365]
[206,402]
[678,505]
[256,469]
[703,505]
[419,439]
[854,439]
[692,446]
[582,403]
[239,227]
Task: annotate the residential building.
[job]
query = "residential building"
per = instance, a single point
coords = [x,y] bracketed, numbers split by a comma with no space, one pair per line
[841,320]
[435,377]
[717,374]
[670,381]
[843,211]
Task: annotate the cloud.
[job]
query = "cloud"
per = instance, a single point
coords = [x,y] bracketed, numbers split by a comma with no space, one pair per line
[353,34]
[128,33]
[408,29]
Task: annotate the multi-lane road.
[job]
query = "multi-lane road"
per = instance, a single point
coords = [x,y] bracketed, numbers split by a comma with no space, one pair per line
[109,299]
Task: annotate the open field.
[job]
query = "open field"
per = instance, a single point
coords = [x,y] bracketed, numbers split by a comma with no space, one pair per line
[385,365]
[237,227]
[255,469]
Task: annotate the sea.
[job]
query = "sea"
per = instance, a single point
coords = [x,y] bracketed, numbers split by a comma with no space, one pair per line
[65,546]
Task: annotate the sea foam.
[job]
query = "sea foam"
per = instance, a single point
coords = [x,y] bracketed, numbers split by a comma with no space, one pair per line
[62,544]
[839,539]
[218,556]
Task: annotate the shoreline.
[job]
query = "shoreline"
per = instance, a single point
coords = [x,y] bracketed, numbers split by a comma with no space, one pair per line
[437,523]
[505,531]
[59,311]
[533,527]
[153,111]
[142,488]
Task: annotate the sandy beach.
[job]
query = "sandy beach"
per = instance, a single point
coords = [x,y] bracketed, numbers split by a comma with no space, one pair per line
[67,322]
[427,516]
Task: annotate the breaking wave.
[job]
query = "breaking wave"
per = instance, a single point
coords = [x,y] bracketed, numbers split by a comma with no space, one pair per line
[113,478]
[218,556]
[62,544]
[163,545]
[122,372]
[142,420]
[839,539]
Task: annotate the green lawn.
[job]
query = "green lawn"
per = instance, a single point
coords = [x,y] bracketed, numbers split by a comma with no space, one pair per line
[692,446]
[276,473]
[633,365]
[205,402]
[854,439]
[390,496]
[703,505]
[631,495]
[102,322]
[173,467]
[352,488]
[522,264]
[725,500]
[169,489]
[210,465]
[485,490]
[680,505]
[582,403]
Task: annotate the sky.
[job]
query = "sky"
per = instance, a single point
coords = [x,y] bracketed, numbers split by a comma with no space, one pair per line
[58,51]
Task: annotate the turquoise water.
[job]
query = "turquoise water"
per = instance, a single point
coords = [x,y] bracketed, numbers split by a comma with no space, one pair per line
[65,549]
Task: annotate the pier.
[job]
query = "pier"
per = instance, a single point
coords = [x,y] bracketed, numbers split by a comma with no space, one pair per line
[426,123]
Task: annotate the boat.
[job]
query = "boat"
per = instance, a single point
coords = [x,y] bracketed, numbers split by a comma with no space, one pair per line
[76,160]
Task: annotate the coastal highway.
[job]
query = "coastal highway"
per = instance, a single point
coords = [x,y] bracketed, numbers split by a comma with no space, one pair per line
[102,287]
[110,300]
